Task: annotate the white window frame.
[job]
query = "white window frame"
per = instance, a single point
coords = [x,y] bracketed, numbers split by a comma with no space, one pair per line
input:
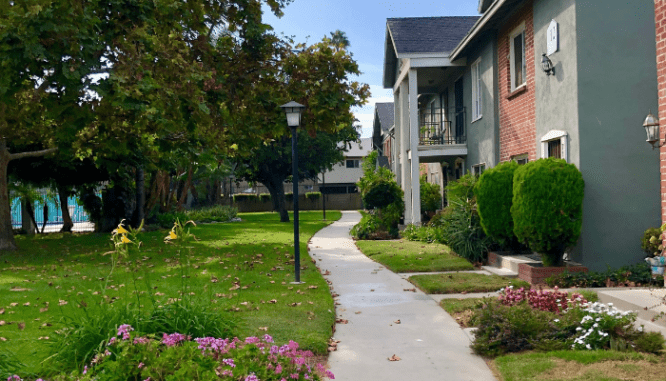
[562,136]
[356,163]
[478,169]
[477,99]
[520,30]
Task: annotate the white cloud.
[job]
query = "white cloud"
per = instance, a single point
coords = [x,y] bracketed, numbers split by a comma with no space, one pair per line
[365,114]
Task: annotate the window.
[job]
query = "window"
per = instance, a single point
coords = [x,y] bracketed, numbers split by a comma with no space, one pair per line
[478,169]
[520,159]
[353,163]
[517,57]
[476,91]
[554,144]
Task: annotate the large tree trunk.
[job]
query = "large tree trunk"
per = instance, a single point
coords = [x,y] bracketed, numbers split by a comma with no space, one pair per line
[7,241]
[67,224]
[276,188]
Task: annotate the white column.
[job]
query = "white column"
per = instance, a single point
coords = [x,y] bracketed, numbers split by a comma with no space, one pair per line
[404,150]
[414,147]
[395,146]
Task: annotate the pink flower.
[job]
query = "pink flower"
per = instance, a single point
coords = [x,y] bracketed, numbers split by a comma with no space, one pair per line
[251,377]
[173,339]
[278,369]
[141,365]
[124,330]
[85,369]
[229,362]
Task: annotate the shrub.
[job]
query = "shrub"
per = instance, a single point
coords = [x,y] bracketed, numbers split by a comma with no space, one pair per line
[547,207]
[165,220]
[650,342]
[639,274]
[265,197]
[600,324]
[368,226]
[552,301]
[494,194]
[218,213]
[651,242]
[313,196]
[244,197]
[431,198]
[439,218]
[423,234]
[461,189]
[380,193]
[463,233]
[177,357]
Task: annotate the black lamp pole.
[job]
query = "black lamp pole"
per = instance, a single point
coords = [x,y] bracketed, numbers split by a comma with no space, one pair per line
[293,111]
[323,196]
[297,248]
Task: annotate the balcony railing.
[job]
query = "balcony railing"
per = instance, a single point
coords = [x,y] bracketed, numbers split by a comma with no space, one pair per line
[441,127]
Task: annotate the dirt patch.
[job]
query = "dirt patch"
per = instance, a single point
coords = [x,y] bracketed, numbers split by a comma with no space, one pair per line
[616,370]
[463,318]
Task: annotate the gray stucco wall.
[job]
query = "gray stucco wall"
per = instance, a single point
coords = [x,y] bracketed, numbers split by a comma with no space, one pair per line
[482,134]
[557,94]
[617,86]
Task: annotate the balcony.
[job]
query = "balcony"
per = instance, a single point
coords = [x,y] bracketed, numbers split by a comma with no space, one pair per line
[442,133]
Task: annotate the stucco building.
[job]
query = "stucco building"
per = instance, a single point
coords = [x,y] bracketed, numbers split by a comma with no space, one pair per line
[471,92]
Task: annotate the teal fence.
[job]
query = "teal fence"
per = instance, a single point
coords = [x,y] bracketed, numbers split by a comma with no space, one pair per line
[54,216]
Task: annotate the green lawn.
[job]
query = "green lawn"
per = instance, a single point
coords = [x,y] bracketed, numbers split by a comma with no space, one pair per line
[581,366]
[242,269]
[406,256]
[463,282]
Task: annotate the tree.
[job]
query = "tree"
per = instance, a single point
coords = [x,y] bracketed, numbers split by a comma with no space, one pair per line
[271,164]
[123,81]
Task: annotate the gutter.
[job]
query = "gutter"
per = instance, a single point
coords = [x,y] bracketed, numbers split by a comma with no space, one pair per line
[480,23]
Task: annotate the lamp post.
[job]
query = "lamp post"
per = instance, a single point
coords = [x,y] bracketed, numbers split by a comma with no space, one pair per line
[293,111]
[322,190]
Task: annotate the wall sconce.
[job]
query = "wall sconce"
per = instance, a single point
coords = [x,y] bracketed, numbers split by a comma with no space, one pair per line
[547,65]
[651,125]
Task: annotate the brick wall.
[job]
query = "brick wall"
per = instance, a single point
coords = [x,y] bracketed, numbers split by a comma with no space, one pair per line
[517,115]
[660,21]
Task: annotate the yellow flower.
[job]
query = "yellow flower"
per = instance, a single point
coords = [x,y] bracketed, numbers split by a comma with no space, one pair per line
[172,235]
[234,146]
[124,239]
[120,230]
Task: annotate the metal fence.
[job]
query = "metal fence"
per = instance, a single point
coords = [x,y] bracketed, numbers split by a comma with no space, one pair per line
[54,220]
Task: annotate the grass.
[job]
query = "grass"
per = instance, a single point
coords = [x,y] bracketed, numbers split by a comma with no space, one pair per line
[235,268]
[406,256]
[462,310]
[581,366]
[463,282]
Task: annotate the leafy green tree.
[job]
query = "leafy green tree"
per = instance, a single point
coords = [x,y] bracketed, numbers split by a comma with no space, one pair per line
[124,81]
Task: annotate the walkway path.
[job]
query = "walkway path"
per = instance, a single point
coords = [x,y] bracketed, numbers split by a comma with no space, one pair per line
[429,343]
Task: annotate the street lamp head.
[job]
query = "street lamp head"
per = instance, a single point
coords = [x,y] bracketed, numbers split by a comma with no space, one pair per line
[547,64]
[293,111]
[651,125]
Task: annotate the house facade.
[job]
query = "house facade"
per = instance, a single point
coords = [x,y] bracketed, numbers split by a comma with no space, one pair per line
[344,175]
[478,96]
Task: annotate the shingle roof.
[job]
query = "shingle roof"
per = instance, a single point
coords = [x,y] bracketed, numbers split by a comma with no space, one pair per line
[429,34]
[385,114]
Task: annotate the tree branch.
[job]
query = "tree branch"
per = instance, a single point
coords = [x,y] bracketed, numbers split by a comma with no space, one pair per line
[22,155]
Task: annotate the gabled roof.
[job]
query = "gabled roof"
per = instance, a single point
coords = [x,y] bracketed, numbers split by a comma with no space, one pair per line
[384,112]
[484,4]
[428,34]
[361,149]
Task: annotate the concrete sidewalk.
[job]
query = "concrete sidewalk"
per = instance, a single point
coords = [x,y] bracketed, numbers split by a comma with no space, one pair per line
[385,320]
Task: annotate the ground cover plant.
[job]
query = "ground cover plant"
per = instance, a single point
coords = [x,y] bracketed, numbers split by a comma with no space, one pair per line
[454,283]
[638,275]
[217,213]
[462,310]
[580,366]
[238,272]
[405,256]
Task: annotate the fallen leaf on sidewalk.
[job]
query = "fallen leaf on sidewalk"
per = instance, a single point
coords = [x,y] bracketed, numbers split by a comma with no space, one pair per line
[464,292]
[394,358]
[341,321]
[327,272]
[335,294]
[409,289]
[357,312]
[397,321]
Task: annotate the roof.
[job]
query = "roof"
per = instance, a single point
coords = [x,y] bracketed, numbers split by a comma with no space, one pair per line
[360,149]
[428,34]
[384,111]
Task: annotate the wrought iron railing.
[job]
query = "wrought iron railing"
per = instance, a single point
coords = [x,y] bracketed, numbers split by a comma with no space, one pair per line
[441,127]
[54,215]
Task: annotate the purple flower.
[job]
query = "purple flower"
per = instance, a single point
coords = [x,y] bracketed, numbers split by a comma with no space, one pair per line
[141,340]
[112,340]
[141,365]
[278,369]
[173,339]
[14,378]
[229,362]
[251,377]
[252,340]
[268,338]
[85,369]
[124,330]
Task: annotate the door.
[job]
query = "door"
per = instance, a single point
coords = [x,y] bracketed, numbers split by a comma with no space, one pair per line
[459,112]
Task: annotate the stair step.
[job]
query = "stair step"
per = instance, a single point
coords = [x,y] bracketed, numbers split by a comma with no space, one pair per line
[506,272]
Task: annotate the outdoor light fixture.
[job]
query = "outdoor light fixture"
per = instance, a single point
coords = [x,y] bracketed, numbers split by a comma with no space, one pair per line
[547,65]
[293,111]
[651,125]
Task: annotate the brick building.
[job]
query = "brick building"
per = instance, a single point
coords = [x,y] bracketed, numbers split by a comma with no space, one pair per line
[470,92]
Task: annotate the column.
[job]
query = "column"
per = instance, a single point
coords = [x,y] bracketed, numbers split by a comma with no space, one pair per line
[395,144]
[414,147]
[404,150]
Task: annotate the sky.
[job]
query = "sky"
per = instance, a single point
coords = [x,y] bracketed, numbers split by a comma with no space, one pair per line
[364,22]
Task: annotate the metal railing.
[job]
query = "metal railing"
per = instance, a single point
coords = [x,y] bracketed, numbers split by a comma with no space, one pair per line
[442,127]
[54,215]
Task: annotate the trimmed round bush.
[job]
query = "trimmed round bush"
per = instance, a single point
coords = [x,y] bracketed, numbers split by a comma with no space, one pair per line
[381,193]
[547,207]
[494,195]
[431,198]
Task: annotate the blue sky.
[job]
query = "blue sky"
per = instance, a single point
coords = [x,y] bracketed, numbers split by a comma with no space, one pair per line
[364,22]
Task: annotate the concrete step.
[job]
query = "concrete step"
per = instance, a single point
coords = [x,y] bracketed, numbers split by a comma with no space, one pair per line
[501,271]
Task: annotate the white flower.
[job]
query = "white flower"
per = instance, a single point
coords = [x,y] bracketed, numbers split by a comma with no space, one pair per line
[595,325]
[610,304]
[579,329]
[597,319]
[556,320]
[588,346]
